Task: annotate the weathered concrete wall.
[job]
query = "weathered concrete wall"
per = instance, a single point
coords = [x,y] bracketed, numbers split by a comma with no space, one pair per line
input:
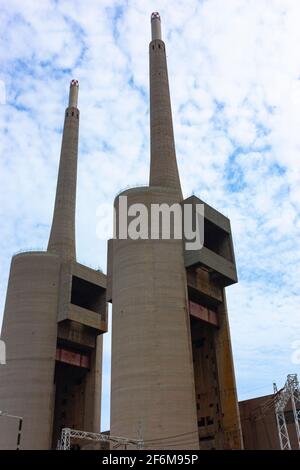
[92,403]
[29,330]
[259,424]
[78,395]
[206,386]
[227,386]
[152,389]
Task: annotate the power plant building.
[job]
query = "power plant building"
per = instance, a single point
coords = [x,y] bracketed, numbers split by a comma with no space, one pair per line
[172,379]
[55,314]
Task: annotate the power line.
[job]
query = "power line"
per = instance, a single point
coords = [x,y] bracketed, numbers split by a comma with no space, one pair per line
[171,437]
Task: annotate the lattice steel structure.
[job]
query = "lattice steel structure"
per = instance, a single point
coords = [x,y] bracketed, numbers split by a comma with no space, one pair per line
[67,435]
[290,391]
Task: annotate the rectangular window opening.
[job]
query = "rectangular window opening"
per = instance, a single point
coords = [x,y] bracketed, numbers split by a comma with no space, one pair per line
[87,295]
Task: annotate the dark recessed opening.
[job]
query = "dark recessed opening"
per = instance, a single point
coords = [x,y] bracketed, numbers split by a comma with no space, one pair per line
[217,240]
[199,342]
[70,383]
[206,438]
[201,422]
[87,295]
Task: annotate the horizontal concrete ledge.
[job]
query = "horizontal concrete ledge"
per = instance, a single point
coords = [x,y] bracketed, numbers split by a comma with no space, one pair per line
[145,189]
[213,261]
[85,317]
[211,214]
[34,253]
[89,274]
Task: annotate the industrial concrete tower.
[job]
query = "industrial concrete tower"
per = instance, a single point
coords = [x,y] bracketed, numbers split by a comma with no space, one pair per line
[55,314]
[172,380]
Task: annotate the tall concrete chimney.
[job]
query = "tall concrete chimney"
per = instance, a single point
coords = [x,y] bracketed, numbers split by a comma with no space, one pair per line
[54,317]
[152,384]
[62,236]
[173,383]
[163,167]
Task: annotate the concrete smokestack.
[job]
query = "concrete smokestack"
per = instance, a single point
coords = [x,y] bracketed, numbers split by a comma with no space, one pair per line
[62,236]
[55,314]
[152,382]
[155,25]
[73,95]
[163,167]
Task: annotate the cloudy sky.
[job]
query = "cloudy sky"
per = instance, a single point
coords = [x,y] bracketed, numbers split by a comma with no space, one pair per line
[234,70]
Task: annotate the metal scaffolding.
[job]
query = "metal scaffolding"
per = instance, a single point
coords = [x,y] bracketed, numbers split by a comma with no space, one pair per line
[290,391]
[68,434]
